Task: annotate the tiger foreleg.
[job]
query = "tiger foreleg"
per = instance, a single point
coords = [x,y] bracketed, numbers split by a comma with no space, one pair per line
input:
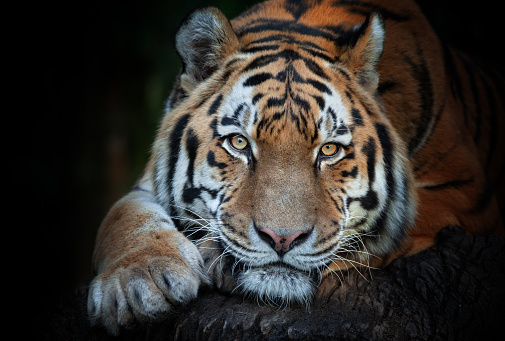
[144,265]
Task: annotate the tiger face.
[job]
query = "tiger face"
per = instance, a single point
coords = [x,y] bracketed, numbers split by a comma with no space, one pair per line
[282,165]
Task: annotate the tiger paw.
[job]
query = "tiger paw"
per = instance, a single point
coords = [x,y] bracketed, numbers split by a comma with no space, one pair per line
[143,287]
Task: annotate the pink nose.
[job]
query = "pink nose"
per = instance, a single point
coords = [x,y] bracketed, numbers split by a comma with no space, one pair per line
[282,244]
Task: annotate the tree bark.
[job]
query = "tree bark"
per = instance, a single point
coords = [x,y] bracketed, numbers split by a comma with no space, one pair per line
[454,290]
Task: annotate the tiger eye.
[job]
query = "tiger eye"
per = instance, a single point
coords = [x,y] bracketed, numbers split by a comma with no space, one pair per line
[239,142]
[329,149]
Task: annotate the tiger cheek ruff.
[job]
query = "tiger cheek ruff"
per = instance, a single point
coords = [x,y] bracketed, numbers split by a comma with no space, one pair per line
[300,140]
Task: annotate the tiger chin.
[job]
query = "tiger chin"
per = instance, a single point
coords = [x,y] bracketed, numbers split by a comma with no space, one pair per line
[300,140]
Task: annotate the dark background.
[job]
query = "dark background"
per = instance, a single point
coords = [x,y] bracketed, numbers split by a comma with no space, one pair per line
[98,75]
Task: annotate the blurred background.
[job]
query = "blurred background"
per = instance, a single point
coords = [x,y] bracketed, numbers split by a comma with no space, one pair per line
[100,74]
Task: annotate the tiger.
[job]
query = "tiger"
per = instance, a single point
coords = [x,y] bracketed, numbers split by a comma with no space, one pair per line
[301,140]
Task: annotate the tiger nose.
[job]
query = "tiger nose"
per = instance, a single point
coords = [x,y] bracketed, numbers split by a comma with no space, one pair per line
[283,243]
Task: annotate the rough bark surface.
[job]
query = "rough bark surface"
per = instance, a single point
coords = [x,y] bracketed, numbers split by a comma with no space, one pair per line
[452,291]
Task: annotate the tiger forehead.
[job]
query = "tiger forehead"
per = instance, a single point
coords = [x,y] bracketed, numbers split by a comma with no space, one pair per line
[285,93]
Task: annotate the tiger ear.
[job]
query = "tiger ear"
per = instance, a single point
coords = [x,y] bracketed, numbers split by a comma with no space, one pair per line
[203,40]
[365,46]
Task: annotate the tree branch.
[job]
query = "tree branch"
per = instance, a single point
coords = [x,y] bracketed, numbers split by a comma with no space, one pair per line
[454,290]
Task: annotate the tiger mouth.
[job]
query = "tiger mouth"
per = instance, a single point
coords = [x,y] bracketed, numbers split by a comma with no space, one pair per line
[278,268]
[275,283]
[282,271]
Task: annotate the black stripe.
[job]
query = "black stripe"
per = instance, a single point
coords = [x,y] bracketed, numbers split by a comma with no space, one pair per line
[334,120]
[302,103]
[174,149]
[315,68]
[189,194]
[309,45]
[192,145]
[314,49]
[283,38]
[321,55]
[425,90]
[266,122]
[229,67]
[261,61]
[263,25]
[289,55]
[342,72]
[296,8]
[353,173]
[211,160]
[386,86]
[454,184]
[330,249]
[257,97]
[215,105]
[282,76]
[342,129]
[401,198]
[356,116]
[349,156]
[370,200]
[230,121]
[387,153]
[320,101]
[277,116]
[337,206]
[350,37]
[319,86]
[349,96]
[213,126]
[261,48]
[275,102]
[271,38]
[239,110]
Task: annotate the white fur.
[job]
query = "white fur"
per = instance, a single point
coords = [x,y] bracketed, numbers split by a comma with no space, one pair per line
[277,285]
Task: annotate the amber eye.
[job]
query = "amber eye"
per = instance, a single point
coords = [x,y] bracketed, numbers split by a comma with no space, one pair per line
[329,149]
[239,142]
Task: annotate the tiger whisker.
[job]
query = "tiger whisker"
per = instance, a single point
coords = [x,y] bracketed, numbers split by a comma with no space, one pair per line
[196,221]
[205,239]
[332,271]
[352,261]
[345,260]
[188,210]
[220,257]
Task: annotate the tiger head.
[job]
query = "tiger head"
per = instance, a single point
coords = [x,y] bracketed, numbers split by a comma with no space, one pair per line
[276,156]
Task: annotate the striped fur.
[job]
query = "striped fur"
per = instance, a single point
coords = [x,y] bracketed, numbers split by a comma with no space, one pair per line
[413,125]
